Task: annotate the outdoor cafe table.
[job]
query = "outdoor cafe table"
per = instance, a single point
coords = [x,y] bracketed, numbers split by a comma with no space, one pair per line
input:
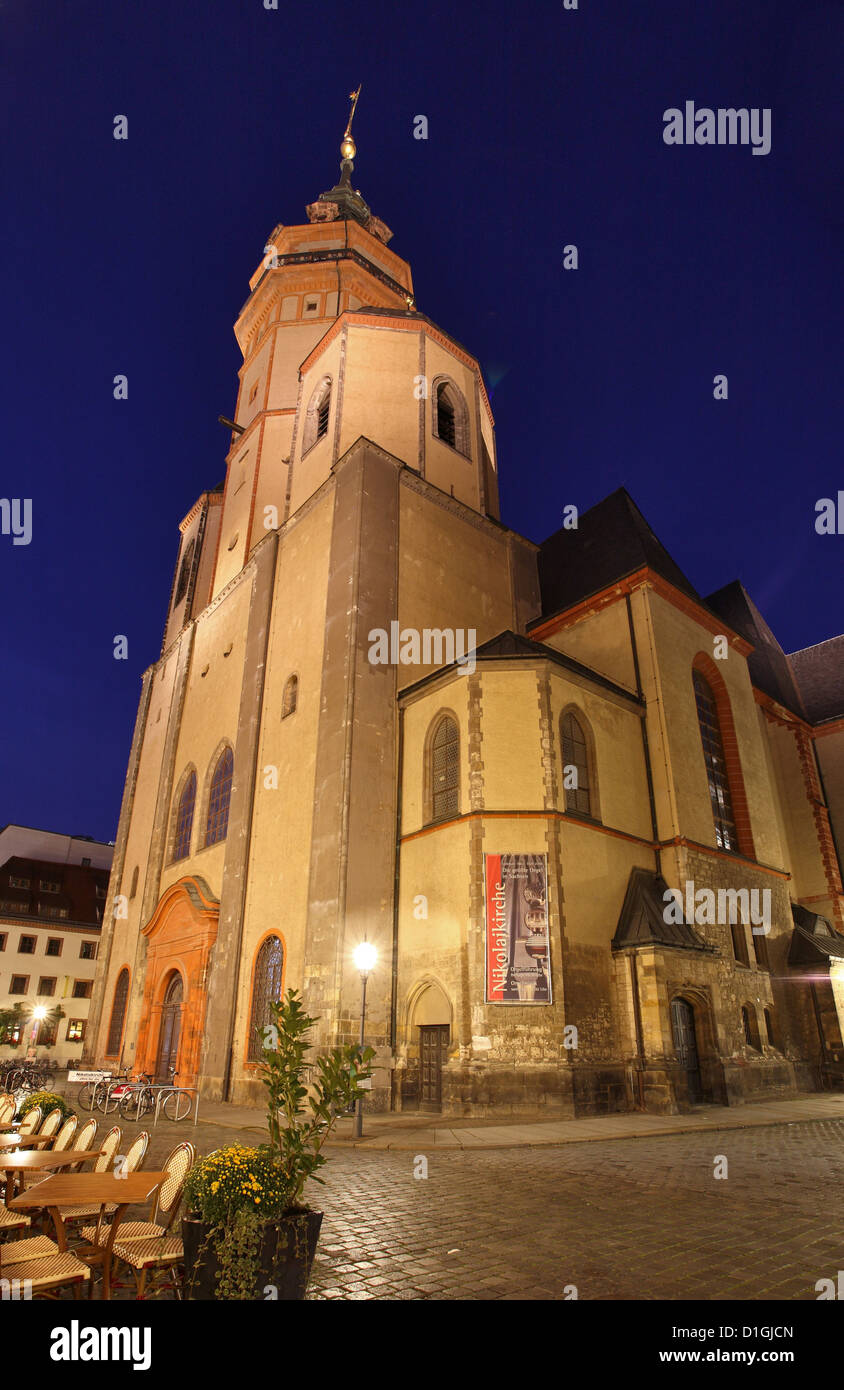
[16,1140]
[30,1162]
[91,1189]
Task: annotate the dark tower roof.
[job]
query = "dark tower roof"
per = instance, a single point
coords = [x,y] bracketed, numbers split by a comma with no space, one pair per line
[612,540]
[768,664]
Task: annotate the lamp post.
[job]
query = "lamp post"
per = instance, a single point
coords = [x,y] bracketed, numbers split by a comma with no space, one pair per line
[38,1013]
[365,956]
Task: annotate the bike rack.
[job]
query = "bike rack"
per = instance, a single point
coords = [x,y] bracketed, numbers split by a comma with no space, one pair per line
[168,1090]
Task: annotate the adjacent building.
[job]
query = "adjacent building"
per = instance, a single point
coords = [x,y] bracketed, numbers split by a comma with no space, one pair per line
[52,897]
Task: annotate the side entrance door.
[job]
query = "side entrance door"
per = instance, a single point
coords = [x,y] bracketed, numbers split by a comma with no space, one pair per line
[685,1041]
[171,1027]
[433,1050]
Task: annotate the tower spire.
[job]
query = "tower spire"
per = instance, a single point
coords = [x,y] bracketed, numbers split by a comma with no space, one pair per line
[342,202]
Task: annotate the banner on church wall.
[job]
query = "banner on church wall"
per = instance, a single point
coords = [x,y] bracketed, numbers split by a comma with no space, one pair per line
[518,962]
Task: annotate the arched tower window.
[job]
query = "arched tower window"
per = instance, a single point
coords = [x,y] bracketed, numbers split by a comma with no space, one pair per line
[134,888]
[316,415]
[184,574]
[451,416]
[118,1014]
[266,989]
[720,794]
[217,824]
[444,771]
[290,696]
[577,772]
[184,819]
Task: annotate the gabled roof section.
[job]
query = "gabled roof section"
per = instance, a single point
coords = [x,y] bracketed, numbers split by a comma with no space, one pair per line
[768,664]
[814,938]
[612,540]
[642,920]
[819,674]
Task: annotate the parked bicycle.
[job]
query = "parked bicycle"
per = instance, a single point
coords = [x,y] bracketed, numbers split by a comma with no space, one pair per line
[140,1099]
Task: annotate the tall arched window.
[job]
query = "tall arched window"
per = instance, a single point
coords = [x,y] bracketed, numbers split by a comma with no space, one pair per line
[716,766]
[184,819]
[266,989]
[118,1014]
[316,415]
[576,777]
[451,416]
[290,696]
[217,824]
[184,574]
[445,770]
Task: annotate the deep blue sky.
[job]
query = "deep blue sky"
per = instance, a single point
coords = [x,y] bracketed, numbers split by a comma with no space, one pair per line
[545,128]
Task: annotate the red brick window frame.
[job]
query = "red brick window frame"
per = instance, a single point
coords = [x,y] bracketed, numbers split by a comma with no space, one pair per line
[705,667]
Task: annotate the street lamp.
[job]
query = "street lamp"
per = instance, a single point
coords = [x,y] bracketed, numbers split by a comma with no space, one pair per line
[365,956]
[38,1013]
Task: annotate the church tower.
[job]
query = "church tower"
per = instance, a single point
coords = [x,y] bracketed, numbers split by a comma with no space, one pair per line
[257,843]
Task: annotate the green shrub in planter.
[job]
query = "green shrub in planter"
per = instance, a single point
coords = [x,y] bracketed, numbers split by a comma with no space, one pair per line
[46,1101]
[248,1228]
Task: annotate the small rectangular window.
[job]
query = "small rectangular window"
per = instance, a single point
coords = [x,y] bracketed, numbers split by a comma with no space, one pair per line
[26,946]
[49,885]
[75,1029]
[311,306]
[82,989]
[86,863]
[47,985]
[54,946]
[18,882]
[19,984]
[2,941]
[88,950]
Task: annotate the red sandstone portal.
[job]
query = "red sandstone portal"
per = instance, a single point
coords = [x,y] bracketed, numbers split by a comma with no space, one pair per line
[180,935]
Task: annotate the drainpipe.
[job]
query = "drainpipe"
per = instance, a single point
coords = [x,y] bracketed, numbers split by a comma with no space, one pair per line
[395,963]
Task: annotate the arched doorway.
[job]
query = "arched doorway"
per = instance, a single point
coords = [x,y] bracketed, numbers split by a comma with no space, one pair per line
[431,1031]
[171,1029]
[686,1045]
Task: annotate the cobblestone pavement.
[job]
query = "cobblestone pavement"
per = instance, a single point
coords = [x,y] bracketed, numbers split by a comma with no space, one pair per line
[624,1219]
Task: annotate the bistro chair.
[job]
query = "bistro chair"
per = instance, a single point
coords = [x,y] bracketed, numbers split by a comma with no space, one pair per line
[164,1207]
[30,1122]
[83,1140]
[147,1248]
[134,1161]
[52,1122]
[47,1274]
[110,1145]
[65,1135]
[8,1107]
[12,1220]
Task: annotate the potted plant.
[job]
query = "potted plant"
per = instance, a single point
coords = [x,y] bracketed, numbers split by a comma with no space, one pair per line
[46,1101]
[249,1233]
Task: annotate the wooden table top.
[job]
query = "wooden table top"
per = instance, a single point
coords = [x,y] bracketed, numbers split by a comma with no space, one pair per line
[70,1189]
[30,1159]
[25,1141]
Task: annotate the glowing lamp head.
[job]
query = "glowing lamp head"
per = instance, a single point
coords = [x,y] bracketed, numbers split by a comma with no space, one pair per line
[39,1013]
[365,956]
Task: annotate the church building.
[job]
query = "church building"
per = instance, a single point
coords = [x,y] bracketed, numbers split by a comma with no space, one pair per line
[588,818]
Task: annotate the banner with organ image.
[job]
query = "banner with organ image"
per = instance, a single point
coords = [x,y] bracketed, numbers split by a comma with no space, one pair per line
[518,962]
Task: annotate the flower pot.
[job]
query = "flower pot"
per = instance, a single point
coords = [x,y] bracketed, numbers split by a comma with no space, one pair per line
[283,1266]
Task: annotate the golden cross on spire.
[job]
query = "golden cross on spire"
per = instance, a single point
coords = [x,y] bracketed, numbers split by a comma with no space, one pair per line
[347,145]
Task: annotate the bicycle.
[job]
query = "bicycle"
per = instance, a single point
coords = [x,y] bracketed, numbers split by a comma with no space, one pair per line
[178,1103]
[133,1101]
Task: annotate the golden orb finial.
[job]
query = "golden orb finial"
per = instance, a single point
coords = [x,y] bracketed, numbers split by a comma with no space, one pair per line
[348,148]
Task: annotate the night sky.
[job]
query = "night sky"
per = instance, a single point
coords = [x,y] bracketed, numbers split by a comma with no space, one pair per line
[545,129]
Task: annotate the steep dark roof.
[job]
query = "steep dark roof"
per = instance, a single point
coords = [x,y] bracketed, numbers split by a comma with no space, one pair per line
[819,673]
[768,664]
[612,540]
[642,920]
[813,938]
